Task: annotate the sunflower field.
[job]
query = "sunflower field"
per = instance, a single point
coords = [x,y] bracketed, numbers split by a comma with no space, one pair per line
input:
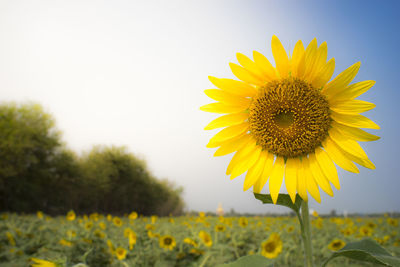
[201,240]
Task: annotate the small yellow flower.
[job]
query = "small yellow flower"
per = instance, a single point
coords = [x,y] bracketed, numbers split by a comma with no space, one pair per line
[42,263]
[366,231]
[39,214]
[371,225]
[109,217]
[102,226]
[99,234]
[71,215]
[206,238]
[272,247]
[120,253]
[71,233]
[117,221]
[88,225]
[94,216]
[220,228]
[392,222]
[133,216]
[127,231]
[336,244]
[110,246]
[315,214]
[154,219]
[202,214]
[65,243]
[10,238]
[150,234]
[190,241]
[150,227]
[167,242]
[243,222]
[132,239]
[290,229]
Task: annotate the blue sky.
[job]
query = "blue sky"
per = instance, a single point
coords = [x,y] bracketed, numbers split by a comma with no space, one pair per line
[133,73]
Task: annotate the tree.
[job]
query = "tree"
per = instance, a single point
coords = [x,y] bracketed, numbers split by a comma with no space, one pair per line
[28,144]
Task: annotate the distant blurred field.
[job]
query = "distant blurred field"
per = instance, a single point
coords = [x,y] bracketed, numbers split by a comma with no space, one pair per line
[100,240]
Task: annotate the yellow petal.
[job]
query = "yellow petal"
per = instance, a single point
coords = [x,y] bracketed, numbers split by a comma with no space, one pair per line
[340,83]
[249,65]
[227,120]
[301,182]
[352,106]
[319,176]
[246,163]
[232,145]
[222,108]
[212,144]
[276,179]
[312,186]
[255,172]
[363,162]
[230,132]
[292,165]
[319,61]
[327,167]
[352,91]
[310,55]
[355,133]
[354,120]
[246,75]
[298,53]
[280,56]
[259,184]
[265,66]
[338,157]
[227,98]
[233,86]
[347,144]
[324,75]
[241,153]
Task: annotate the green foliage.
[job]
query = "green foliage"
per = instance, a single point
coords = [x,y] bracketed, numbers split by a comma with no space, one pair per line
[283,200]
[366,250]
[38,173]
[250,261]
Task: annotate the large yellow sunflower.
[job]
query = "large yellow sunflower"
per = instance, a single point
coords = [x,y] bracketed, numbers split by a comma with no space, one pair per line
[290,120]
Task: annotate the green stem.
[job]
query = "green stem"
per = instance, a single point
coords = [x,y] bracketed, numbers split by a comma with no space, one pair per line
[306,234]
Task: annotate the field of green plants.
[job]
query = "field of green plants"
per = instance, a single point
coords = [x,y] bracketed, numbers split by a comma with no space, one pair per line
[132,240]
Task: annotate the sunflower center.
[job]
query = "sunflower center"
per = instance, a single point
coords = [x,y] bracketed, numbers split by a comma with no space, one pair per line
[269,247]
[167,241]
[289,117]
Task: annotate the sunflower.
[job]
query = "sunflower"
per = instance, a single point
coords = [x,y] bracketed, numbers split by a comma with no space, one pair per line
[290,120]
[272,247]
[71,215]
[120,253]
[117,221]
[220,228]
[336,244]
[167,242]
[243,222]
[42,263]
[206,238]
[132,239]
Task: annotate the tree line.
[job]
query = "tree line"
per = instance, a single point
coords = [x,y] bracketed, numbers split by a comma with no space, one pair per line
[38,172]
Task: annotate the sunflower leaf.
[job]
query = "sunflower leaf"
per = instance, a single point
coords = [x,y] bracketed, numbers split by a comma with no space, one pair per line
[366,250]
[250,261]
[283,200]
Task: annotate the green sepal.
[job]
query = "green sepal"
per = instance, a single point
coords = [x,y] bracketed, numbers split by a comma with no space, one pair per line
[250,261]
[366,250]
[283,200]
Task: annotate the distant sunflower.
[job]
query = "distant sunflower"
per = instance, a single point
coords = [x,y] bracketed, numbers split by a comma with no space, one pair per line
[167,242]
[220,228]
[336,244]
[272,247]
[71,215]
[290,121]
[42,263]
[120,253]
[206,238]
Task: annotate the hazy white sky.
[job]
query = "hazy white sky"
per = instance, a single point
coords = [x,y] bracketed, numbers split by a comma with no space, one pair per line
[133,73]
